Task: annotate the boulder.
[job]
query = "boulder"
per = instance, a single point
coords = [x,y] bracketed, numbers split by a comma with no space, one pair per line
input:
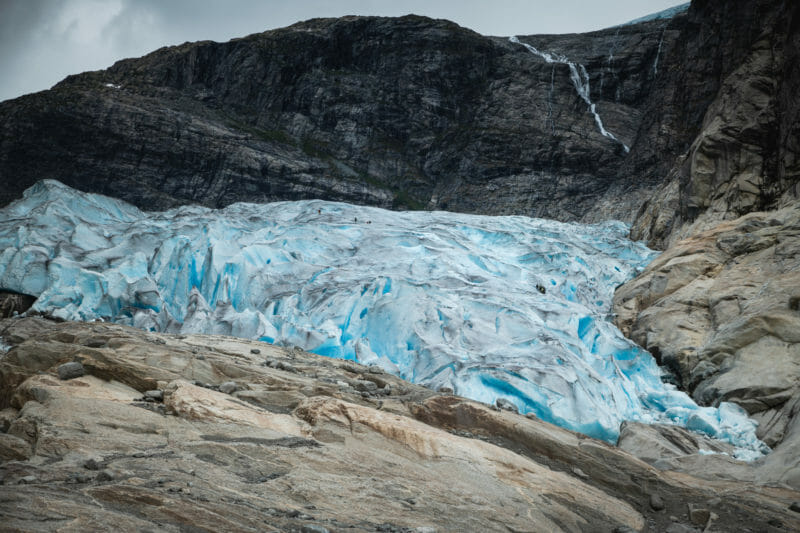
[656,442]
[70,370]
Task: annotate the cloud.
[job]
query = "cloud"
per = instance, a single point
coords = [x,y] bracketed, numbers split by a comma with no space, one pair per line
[42,42]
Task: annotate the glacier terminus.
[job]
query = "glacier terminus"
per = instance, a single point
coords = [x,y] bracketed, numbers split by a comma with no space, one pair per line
[511,307]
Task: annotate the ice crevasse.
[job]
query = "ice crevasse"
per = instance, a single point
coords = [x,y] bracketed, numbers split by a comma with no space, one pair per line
[495,307]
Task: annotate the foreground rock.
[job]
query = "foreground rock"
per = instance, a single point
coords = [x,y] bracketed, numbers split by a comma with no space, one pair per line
[656,442]
[300,442]
[721,309]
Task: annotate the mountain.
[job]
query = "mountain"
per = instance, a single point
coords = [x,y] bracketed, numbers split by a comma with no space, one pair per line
[407,112]
[684,126]
[419,113]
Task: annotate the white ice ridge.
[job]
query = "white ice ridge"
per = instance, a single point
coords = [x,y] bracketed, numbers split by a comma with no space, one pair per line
[660,15]
[495,307]
[580,80]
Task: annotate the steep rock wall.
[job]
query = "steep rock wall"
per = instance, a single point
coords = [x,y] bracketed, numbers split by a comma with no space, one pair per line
[407,112]
[741,64]
[720,306]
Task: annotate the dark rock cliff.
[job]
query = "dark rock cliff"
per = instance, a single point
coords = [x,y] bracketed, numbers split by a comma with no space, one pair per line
[733,90]
[407,112]
[418,113]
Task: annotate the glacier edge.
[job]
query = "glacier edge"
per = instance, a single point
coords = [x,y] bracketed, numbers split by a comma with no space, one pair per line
[494,307]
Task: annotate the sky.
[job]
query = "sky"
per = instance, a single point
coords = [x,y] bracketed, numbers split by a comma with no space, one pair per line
[43,41]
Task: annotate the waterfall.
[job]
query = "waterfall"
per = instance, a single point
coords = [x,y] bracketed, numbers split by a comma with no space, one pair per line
[658,52]
[550,120]
[580,80]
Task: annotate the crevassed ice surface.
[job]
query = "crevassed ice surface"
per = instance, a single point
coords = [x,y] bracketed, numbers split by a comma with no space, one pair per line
[494,307]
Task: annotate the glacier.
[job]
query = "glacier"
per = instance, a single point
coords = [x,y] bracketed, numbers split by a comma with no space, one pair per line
[510,307]
[666,14]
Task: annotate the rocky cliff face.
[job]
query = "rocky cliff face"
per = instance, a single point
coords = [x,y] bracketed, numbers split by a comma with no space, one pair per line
[735,93]
[721,310]
[421,113]
[407,112]
[720,305]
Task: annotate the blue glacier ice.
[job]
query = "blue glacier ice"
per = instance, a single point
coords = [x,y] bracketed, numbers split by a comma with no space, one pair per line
[666,14]
[494,307]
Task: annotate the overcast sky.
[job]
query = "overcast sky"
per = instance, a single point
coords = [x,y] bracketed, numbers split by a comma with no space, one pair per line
[42,41]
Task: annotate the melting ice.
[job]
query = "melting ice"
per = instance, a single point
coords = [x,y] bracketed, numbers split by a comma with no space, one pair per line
[494,307]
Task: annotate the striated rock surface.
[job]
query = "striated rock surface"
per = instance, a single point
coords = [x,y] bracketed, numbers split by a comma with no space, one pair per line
[296,445]
[733,92]
[721,310]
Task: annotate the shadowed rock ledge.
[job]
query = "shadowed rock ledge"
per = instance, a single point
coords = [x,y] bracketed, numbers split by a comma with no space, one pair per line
[214,433]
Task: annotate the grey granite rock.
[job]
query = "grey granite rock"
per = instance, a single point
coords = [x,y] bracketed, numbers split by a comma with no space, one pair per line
[313,528]
[507,405]
[70,370]
[719,309]
[298,450]
[742,155]
[13,448]
[155,395]
[656,502]
[229,387]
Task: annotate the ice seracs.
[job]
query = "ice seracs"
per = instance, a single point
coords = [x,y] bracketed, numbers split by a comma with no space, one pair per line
[493,307]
